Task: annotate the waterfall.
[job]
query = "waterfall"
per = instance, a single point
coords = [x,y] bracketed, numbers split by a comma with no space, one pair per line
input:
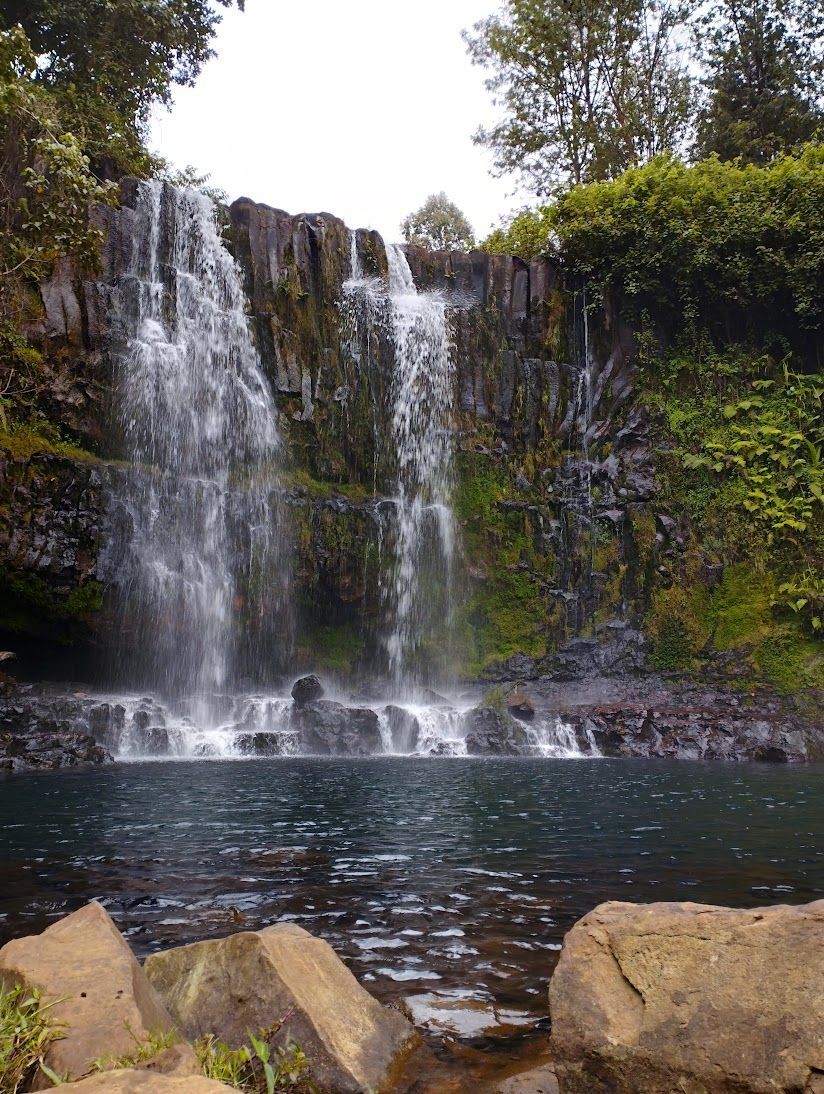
[196,544]
[412,410]
[422,396]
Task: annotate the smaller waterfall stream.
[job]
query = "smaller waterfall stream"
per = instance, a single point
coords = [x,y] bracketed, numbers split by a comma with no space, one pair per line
[419,539]
[421,426]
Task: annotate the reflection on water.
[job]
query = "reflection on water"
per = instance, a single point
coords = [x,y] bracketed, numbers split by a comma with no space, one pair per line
[448,883]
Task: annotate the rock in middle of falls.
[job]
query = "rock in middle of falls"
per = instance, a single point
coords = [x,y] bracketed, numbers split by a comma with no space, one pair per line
[332,729]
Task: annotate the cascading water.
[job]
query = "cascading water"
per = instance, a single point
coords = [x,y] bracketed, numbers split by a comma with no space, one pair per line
[196,544]
[422,397]
[415,413]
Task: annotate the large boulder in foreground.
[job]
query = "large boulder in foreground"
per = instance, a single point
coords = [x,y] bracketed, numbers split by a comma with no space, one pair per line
[255,980]
[104,1000]
[689,997]
[143,1082]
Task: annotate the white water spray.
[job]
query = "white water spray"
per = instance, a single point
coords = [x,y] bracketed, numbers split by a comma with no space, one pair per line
[197,559]
[422,397]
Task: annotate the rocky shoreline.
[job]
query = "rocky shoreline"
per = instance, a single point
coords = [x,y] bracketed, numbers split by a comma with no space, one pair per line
[645,998]
[51,728]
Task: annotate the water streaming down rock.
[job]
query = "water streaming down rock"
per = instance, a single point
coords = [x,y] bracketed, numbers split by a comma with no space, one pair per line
[413,409]
[195,541]
[422,398]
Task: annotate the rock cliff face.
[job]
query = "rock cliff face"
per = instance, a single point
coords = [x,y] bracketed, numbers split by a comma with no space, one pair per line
[565,538]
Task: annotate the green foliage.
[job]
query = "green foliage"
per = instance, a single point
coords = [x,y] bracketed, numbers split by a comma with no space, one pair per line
[674,629]
[439,225]
[253,1067]
[48,181]
[26,1033]
[587,89]
[146,1048]
[507,611]
[25,439]
[764,77]
[494,699]
[681,242]
[336,648]
[803,595]
[29,604]
[789,664]
[525,235]
[110,61]
[772,441]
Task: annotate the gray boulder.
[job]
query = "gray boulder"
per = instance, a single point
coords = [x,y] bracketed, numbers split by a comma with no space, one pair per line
[307,689]
[404,727]
[491,732]
[332,729]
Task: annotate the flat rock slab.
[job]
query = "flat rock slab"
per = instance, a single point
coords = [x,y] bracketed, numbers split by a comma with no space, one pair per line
[105,1002]
[689,997]
[142,1082]
[282,974]
[540,1080]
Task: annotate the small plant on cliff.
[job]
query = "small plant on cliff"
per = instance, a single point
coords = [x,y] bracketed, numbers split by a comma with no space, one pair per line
[803,595]
[25,1035]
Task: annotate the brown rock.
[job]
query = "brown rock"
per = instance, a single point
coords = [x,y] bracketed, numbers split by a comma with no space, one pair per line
[254,980]
[669,997]
[105,1002]
[143,1082]
[179,1059]
[538,1080]
[520,706]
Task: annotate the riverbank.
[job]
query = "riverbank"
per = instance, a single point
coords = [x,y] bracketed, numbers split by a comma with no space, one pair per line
[645,998]
[447,885]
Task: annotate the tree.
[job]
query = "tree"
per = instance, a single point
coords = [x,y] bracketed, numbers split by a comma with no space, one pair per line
[439,225]
[112,60]
[765,79]
[525,234]
[588,87]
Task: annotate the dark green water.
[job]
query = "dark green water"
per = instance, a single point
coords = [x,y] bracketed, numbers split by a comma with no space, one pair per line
[452,877]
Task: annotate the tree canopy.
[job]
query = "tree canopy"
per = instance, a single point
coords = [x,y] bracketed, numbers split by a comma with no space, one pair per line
[587,87]
[439,225]
[765,77]
[590,88]
[111,60]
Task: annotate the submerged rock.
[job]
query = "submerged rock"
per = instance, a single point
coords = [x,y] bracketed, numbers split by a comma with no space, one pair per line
[282,976]
[100,994]
[490,732]
[681,996]
[332,729]
[307,689]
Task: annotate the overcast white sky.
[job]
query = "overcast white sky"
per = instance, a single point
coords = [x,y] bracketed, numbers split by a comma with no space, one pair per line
[360,108]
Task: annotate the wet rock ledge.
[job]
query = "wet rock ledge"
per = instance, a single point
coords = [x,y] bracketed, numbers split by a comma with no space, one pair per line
[646,999]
